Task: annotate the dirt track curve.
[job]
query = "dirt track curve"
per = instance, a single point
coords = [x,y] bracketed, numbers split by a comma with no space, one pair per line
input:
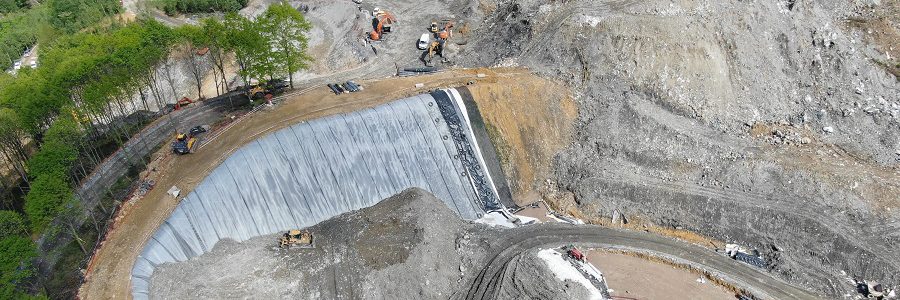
[486,284]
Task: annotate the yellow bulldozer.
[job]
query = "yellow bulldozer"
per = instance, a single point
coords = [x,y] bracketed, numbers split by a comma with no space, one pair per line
[300,238]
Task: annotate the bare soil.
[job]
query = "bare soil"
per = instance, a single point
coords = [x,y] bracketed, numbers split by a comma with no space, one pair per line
[634,278]
[529,121]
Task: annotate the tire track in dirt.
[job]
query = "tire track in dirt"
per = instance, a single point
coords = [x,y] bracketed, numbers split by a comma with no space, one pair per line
[513,243]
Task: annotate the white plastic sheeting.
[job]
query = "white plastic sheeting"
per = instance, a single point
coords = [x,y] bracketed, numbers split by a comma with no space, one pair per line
[312,171]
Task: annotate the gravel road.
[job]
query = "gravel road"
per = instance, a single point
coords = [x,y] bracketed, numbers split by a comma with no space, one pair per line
[513,243]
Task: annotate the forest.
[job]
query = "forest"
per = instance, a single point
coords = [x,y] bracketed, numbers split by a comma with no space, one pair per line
[61,119]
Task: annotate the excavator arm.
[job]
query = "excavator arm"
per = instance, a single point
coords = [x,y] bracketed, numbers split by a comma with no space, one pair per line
[383,18]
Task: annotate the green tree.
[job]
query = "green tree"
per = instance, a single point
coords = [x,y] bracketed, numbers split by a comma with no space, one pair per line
[286,29]
[45,200]
[217,39]
[251,49]
[193,38]
[11,135]
[16,256]
[12,224]
[72,15]
[55,158]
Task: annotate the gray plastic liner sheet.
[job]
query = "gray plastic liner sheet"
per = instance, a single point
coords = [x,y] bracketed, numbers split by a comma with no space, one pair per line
[309,172]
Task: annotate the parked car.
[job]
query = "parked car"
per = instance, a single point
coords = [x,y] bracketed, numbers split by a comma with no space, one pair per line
[423,41]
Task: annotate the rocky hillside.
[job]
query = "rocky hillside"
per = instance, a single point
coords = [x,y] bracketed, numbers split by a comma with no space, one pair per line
[767,123]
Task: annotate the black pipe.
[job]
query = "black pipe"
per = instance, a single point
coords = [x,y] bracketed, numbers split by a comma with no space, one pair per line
[421,69]
[333,89]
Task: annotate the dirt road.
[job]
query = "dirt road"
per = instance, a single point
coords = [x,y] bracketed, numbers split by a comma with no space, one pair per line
[513,243]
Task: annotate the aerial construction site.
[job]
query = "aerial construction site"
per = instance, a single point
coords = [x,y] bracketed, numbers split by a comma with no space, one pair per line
[494,149]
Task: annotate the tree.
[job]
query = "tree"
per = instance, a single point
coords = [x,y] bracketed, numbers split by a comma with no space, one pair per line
[16,256]
[55,158]
[193,39]
[287,28]
[217,40]
[11,135]
[251,49]
[71,215]
[45,200]
[73,15]
[11,224]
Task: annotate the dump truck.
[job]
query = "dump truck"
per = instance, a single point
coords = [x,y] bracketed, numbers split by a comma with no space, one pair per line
[296,237]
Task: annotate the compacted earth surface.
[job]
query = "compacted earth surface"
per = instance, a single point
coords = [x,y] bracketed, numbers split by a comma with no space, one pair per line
[633,277]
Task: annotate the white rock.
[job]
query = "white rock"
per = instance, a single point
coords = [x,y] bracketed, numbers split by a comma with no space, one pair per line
[828,129]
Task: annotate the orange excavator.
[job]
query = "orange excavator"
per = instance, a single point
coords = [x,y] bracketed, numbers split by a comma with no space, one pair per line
[447,32]
[382,23]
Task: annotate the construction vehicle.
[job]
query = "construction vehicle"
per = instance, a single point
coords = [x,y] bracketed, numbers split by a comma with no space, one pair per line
[381,23]
[184,143]
[434,27]
[447,32]
[297,237]
[574,253]
[436,47]
[271,87]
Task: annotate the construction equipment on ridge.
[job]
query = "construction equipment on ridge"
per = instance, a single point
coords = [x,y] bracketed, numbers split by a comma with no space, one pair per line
[382,23]
[300,238]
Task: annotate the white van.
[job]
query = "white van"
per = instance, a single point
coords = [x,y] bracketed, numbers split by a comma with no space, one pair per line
[423,41]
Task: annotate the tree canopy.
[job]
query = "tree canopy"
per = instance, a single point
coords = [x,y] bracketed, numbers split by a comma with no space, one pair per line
[16,256]
[44,201]
[12,224]
[85,85]
[286,29]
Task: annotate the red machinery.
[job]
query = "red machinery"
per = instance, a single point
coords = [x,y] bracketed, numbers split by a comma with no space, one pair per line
[447,33]
[183,103]
[383,20]
[574,253]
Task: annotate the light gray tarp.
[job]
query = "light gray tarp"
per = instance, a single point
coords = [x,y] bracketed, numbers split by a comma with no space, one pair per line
[312,171]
